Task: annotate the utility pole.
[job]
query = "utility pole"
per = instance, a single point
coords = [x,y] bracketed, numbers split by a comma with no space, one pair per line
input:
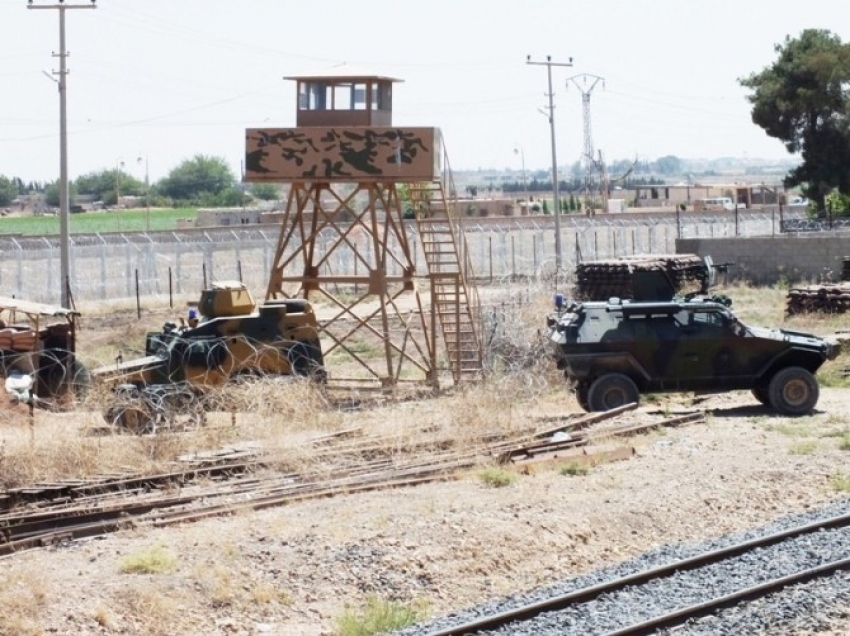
[588,159]
[549,64]
[64,207]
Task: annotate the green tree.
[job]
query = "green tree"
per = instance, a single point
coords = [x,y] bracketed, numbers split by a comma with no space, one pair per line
[227,198]
[8,191]
[107,185]
[198,179]
[801,99]
[51,193]
[265,191]
[668,165]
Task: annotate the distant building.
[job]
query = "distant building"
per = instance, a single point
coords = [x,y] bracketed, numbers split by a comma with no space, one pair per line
[744,195]
[218,217]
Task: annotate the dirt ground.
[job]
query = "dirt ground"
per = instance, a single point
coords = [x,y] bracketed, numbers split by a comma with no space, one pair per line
[293,570]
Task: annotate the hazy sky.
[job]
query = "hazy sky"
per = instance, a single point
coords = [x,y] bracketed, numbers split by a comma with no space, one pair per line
[164,80]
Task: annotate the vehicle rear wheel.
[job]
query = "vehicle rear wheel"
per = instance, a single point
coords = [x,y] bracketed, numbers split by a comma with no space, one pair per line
[762,394]
[303,361]
[793,391]
[610,391]
[130,412]
[133,418]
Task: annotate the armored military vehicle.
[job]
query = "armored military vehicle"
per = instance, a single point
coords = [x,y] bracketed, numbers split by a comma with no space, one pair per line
[612,352]
[229,335]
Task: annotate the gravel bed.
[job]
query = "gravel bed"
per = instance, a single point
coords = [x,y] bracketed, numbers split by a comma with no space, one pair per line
[807,607]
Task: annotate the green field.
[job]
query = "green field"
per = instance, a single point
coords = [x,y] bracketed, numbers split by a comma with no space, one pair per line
[98,222]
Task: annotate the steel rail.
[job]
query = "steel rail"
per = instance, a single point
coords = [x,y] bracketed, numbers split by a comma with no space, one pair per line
[560,602]
[46,528]
[698,610]
[78,508]
[74,490]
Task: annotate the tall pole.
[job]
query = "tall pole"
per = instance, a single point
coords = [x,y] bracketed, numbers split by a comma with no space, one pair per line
[549,64]
[64,207]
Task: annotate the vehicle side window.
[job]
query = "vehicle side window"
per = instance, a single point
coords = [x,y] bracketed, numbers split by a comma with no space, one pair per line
[708,318]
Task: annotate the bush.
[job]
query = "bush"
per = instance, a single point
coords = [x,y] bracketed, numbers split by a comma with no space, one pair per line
[153,560]
[574,470]
[496,477]
[379,617]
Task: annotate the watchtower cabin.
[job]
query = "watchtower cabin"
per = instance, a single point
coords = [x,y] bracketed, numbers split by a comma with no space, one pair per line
[369,234]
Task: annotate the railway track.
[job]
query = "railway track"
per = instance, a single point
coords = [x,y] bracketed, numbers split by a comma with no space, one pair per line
[679,592]
[47,514]
[62,520]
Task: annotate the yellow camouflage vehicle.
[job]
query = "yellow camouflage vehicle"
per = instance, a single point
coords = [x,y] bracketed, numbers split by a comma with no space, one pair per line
[229,335]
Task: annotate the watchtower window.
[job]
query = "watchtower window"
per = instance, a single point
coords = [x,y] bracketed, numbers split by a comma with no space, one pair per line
[374,96]
[315,96]
[382,96]
[350,97]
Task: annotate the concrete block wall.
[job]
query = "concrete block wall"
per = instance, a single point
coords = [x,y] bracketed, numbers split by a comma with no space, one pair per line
[794,258]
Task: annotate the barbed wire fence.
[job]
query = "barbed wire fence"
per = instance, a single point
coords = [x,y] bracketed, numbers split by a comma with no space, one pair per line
[163,265]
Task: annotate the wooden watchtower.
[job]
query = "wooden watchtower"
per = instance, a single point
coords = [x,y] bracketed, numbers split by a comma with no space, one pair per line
[367,204]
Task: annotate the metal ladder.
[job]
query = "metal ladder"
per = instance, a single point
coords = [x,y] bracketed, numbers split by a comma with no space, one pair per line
[454,296]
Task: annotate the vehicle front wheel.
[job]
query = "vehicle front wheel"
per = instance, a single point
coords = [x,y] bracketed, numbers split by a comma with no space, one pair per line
[610,391]
[793,391]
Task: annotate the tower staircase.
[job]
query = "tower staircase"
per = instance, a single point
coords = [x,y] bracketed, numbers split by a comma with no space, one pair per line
[455,303]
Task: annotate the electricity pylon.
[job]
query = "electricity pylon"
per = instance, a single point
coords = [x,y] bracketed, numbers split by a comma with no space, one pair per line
[587,158]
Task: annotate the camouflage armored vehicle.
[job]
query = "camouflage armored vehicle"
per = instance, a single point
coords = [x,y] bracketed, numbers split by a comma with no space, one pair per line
[611,352]
[229,335]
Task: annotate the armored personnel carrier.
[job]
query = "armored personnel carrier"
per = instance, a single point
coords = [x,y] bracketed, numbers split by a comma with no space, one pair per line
[229,335]
[612,352]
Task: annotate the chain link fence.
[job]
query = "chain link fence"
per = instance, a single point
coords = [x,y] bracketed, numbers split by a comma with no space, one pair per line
[118,266]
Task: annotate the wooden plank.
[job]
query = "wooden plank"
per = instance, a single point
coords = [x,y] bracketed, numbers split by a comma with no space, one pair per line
[591,456]
[587,420]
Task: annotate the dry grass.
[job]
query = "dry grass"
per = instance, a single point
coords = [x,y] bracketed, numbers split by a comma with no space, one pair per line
[807,447]
[22,598]
[56,447]
[226,585]
[147,608]
[286,419]
[283,416]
